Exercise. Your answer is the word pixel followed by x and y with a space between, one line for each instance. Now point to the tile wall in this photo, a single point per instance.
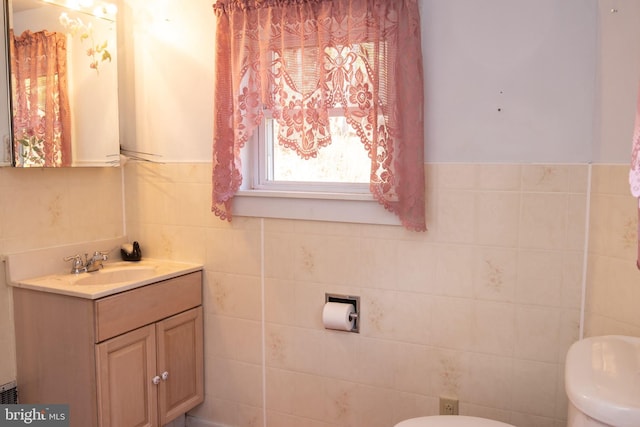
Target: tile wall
pixel 51 207
pixel 613 295
pixel 482 307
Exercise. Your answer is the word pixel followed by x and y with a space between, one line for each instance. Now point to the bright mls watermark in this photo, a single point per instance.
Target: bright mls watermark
pixel 34 415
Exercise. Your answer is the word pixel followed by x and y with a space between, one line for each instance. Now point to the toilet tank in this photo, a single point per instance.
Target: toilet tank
pixel 602 381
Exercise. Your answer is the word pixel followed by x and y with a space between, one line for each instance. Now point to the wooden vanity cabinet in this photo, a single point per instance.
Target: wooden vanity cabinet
pixel 149 376
pixel 129 359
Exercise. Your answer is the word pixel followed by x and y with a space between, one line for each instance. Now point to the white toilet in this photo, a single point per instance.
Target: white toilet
pixel 451 421
pixel 602 376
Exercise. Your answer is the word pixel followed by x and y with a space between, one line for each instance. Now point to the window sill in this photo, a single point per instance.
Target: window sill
pixel 335 207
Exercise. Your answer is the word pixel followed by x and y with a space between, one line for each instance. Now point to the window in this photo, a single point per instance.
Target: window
pixel 299 90
pixel 310 188
pixel 334 186
pixel 342 166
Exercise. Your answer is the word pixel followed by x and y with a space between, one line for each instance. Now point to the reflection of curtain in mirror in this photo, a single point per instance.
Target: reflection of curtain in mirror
pixel 41 116
pixel 634 172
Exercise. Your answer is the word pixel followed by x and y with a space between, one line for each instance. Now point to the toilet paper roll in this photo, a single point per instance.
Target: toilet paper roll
pixel 336 315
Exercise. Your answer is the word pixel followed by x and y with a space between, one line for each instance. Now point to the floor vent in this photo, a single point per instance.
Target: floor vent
pixel 9 393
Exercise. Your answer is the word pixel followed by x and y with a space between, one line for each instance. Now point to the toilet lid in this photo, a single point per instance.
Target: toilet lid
pixel 451 421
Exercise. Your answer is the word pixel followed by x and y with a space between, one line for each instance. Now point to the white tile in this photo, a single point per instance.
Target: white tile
pixel 488 382
pixel 539 278
pixel 495 329
pixel 543 221
pixel 537 334
pixel 496 274
pixel 534 388
pixel 454 270
pixel 498 215
pixel 452 323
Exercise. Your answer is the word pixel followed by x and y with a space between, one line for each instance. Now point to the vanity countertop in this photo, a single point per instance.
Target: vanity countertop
pixel 114 278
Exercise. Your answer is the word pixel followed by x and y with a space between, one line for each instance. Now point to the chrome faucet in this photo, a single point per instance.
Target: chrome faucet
pixel 78 266
pixel 89 264
pixel 95 262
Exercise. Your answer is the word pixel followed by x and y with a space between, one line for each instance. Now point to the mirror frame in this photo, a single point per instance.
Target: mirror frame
pixel 6 123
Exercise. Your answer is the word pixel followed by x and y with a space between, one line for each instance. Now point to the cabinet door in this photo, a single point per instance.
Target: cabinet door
pixel 180 364
pixel 125 370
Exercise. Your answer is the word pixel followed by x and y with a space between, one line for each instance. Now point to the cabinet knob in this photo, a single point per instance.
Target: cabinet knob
pixel 165 375
pixel 156 380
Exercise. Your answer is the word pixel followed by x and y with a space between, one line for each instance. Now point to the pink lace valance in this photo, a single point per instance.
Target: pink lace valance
pixel 302 60
pixel 226 6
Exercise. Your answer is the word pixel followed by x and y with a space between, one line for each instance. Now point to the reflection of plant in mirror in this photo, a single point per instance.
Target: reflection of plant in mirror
pixel 32 150
pixel 97 51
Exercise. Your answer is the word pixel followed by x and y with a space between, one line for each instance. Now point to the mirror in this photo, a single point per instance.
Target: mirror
pixel 70 116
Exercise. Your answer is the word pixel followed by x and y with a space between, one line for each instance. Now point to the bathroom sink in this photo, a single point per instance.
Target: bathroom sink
pixel 113 278
pixel 113 275
pixel 602 378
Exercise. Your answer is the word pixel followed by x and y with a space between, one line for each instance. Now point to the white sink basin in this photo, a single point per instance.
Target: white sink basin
pixel 113 275
pixel 113 278
pixel 602 379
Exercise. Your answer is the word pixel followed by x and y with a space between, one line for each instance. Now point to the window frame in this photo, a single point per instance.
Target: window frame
pixel 315 201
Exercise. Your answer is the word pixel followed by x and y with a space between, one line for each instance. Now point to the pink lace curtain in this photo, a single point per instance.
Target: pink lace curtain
pixel 41 116
pixel 301 59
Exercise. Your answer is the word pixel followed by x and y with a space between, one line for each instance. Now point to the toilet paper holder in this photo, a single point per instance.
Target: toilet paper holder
pixel 347 299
